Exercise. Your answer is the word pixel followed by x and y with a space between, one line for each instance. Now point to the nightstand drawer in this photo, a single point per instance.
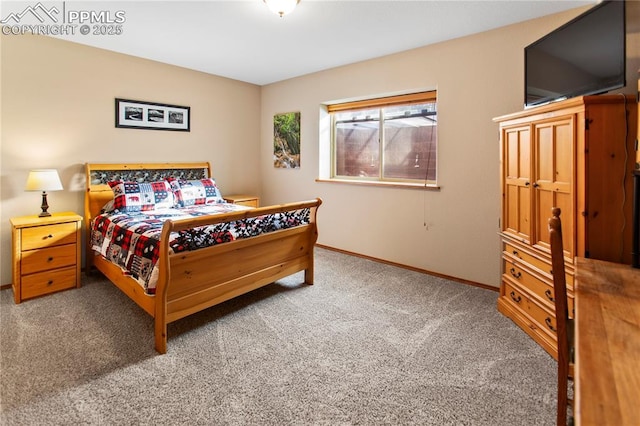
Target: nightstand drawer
pixel 48 258
pixel 47 236
pixel 48 282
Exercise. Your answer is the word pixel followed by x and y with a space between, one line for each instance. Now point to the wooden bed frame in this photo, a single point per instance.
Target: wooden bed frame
pixel 189 282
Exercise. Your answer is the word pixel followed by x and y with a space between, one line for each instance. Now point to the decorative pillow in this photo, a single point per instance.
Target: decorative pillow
pixel 195 192
pixel 133 197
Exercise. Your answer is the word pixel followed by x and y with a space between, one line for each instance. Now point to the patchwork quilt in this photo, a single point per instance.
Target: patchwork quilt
pixel 131 240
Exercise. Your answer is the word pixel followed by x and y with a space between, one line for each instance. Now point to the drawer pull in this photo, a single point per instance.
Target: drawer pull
pixel 516 254
pixel 549 295
pixel 49 282
pixel 48 236
pixel 548 322
pixel 515 298
pixel 515 275
pixel 50 259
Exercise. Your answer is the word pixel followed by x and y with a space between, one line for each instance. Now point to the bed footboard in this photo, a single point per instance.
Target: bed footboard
pixel 192 281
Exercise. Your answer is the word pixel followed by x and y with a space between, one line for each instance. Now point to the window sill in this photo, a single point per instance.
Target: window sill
pixel 404 185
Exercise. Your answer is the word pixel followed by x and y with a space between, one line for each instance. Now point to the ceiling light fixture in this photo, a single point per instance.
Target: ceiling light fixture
pixel 281 7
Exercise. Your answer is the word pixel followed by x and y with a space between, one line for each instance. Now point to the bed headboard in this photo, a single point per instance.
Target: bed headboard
pixel 98 175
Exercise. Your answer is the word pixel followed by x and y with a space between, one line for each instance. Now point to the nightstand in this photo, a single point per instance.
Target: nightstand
pixel 46 254
pixel 243 199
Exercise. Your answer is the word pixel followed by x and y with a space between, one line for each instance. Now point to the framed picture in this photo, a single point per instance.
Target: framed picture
pixel 151 116
pixel 286 140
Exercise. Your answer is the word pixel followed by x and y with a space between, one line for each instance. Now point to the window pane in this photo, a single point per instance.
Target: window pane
pixel 357 143
pixel 410 136
pixel 385 140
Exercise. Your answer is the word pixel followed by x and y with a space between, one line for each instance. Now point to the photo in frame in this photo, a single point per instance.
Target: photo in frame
pixel 152 116
pixel 286 140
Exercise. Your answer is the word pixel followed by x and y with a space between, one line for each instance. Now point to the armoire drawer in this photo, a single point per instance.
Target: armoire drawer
pixel 539 318
pixel 537 285
pixel 517 253
pixel 521 254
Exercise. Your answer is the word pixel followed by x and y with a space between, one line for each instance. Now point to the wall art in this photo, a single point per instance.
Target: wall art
pixel 286 140
pixel 152 116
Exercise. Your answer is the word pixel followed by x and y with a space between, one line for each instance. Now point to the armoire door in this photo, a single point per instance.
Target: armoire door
pixel 553 156
pixel 516 158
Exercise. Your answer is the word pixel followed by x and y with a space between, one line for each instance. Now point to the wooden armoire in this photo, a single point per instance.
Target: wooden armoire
pixel 579 155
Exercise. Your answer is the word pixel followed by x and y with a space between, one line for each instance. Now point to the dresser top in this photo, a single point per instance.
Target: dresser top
pixel 35 220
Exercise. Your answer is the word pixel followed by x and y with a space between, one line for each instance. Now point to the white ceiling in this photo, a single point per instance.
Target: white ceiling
pixel 245 41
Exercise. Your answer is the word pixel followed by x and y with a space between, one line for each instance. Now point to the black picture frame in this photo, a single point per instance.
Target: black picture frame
pixel 131 114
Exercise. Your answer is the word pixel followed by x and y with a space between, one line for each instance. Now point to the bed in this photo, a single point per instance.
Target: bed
pixel 191 280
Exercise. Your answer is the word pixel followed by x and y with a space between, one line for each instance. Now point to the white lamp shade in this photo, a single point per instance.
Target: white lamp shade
pixel 43 180
pixel 281 7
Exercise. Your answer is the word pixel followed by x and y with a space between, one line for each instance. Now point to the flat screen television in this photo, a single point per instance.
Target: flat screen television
pixel 585 56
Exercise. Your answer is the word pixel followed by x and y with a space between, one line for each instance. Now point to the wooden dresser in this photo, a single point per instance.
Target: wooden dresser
pixel 578 155
pixel 46 254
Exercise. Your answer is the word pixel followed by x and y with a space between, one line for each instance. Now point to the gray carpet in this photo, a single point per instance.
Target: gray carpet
pixel 368 344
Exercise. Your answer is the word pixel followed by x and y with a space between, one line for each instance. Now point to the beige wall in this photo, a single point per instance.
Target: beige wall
pixel 58 112
pixel 477 78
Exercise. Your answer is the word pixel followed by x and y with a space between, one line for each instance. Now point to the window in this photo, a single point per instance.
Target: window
pixel 390 139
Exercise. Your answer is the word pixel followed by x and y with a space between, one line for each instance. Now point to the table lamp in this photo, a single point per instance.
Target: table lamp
pixel 44 180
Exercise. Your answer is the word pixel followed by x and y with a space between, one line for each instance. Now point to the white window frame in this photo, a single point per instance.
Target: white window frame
pixel 380 104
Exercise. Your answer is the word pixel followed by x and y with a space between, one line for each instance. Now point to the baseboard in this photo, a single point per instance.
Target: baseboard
pixel 412 268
